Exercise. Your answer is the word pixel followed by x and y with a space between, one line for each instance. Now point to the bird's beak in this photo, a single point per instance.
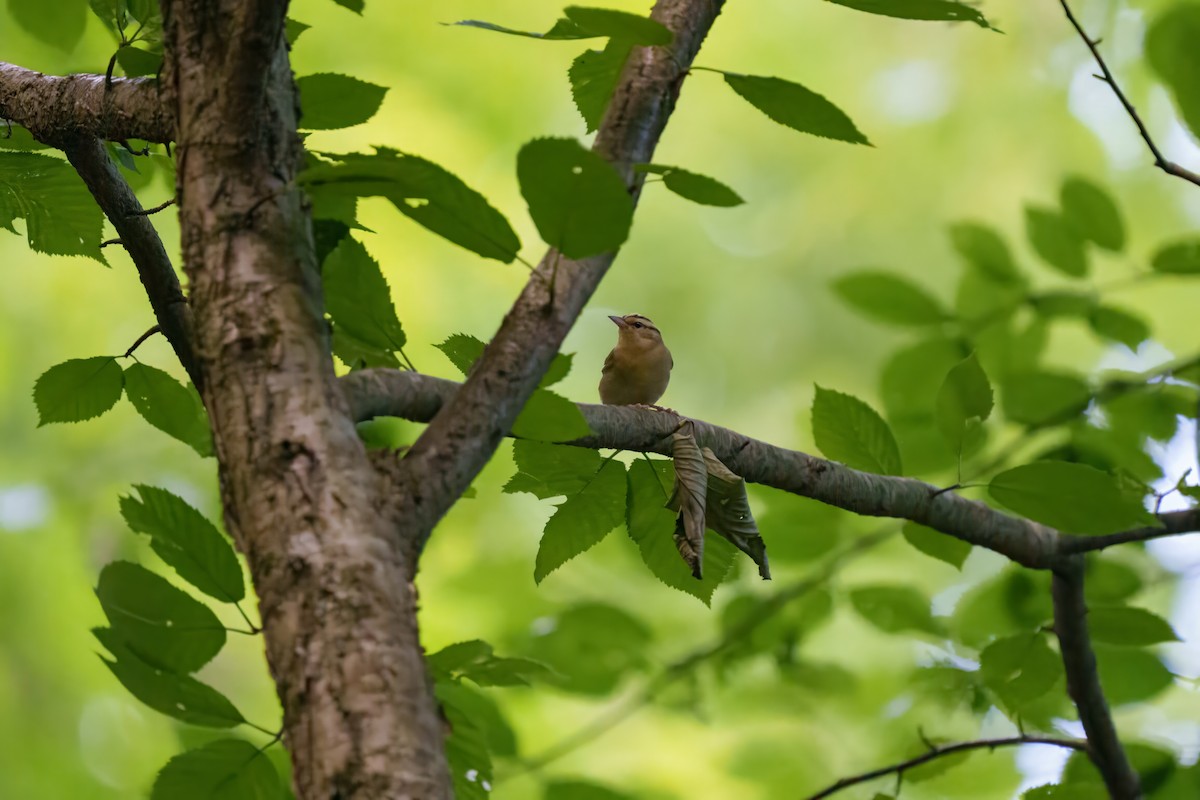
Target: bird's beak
pixel 620 322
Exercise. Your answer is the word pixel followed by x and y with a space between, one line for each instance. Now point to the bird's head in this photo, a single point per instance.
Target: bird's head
pixel 636 330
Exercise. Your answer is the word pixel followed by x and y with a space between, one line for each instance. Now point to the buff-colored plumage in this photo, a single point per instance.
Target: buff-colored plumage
pixel 638 369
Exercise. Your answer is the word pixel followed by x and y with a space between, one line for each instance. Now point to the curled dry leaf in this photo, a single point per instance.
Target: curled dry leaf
pixel 688 498
pixel 728 512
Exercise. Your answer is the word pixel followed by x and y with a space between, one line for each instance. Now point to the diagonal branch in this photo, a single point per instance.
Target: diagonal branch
pixel 48 105
pixel 417 397
pixel 945 750
pixel 141 241
pixel 462 438
pixel 1166 165
pixel 1083 682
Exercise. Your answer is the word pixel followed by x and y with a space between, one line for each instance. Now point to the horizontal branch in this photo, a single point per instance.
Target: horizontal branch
pixel 53 107
pixel 417 397
pixel 945 750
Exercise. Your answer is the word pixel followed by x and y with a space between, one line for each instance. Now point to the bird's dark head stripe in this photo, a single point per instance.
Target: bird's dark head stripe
pixel 631 318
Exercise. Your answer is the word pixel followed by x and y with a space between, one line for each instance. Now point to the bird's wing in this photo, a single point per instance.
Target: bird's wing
pixel 608 362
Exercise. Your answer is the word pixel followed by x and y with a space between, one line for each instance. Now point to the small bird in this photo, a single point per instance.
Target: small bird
pixel 638 369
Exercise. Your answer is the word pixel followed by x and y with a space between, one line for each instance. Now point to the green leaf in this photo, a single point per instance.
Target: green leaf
pixel 464 350
pixel 60 25
pixel 229 769
pixel 583 519
pixel 850 431
pixel 965 395
pixel 467 749
pixel 61 218
pixel 1092 214
pixel 1129 626
pixel 893 609
pixel 550 417
pixel 594 75
pixel 15 137
pixel 186 541
pixel 1051 305
pixel 1130 675
pixel 1119 325
pixel 1171 50
pixel 938 10
pixel 1074 498
pixel 136 62
pixel 423 192
pixel 796 107
pixel 79 389
pixel 594 646
pixel 168 405
pixel 164 626
pixel 1056 241
pixel 577 200
pixel 178 696
pixel 936 544
pixel 475 660
pixel 588 23
pixel 357 354
pixel 358 297
pixel 1039 398
pixel 293 28
pixel 1020 669
pixel 693 186
pixel 651 526
pixel 1180 258
pixel 354 5
pixel 330 101
pixel 581 790
pixel 985 249
pixel 889 297
pixel 551 470
pixel 485 715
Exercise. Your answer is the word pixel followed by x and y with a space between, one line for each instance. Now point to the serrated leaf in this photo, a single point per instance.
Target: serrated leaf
pixel 936 544
pixel 694 186
pixel 982 247
pixel 965 395
pixel 79 389
pixel 1075 498
pixel 551 470
pixel 727 511
pixel 475 660
pixel 1041 397
pixel 164 626
pixel 292 28
pixel 357 354
pixel 689 496
pixel 889 297
pixel 594 75
pixel 1092 213
pixel 583 519
pixel 358 297
pixel 467 751
pixel 848 430
pixel 1180 258
pixel 186 541
pixel 168 405
pixel 935 10
pixel 1170 47
pixel 651 526
pixel 464 350
pixel 178 696
pixel 486 716
pixel 894 609
pixel 1056 241
pixel 354 5
pixel 1119 326
pixel 1124 625
pixel 550 417
pixel 61 218
pixel 577 200
pixel 796 107
pixel 422 191
pixel 330 101
pixel 227 769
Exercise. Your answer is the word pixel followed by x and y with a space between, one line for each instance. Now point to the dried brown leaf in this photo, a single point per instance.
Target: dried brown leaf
pixel 688 498
pixel 727 510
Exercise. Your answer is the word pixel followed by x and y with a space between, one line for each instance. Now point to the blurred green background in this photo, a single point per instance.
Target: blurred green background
pixel 966 124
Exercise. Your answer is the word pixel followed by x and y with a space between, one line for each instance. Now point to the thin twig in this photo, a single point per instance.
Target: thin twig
pixel 145 212
pixel 685 665
pixel 108 242
pixel 1167 166
pixel 937 751
pixel 153 330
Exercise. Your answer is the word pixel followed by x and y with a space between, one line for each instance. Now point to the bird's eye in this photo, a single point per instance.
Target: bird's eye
pixel 638 325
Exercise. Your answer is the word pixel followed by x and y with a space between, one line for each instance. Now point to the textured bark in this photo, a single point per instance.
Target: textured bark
pixel 300 495
pixel 382 392
pixel 54 107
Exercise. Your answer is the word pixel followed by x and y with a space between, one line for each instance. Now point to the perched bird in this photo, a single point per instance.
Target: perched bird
pixel 637 370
